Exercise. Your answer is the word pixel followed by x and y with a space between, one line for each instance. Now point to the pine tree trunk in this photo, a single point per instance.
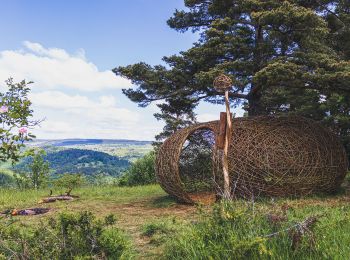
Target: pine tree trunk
pixel 255 107
pixel 254 99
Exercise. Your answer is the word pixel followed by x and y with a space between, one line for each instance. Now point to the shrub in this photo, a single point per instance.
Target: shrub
pixel 69 236
pixel 141 172
pixel 69 182
pixel 37 173
pixel 15 117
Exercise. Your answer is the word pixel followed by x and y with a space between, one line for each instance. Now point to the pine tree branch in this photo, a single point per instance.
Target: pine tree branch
pixel 330 11
pixel 238 95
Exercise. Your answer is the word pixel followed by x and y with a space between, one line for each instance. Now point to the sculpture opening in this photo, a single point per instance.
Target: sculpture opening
pixel 196 164
pixel 168 162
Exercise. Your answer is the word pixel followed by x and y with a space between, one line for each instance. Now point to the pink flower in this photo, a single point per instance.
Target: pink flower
pixel 23 130
pixel 4 109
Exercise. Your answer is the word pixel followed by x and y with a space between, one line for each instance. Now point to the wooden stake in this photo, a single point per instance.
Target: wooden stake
pixel 220 142
pixel 224 83
pixel 227 191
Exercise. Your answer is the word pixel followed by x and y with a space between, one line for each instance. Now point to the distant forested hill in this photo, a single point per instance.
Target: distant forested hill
pixel 123 149
pixel 77 142
pixel 87 162
pixel 5 179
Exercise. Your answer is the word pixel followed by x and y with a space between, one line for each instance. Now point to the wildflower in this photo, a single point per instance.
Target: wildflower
pixel 4 109
pixel 23 130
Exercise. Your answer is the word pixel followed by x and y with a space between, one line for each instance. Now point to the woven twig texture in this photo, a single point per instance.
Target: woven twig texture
pixel 270 156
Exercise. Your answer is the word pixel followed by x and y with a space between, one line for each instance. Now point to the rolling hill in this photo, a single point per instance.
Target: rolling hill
pixel 101 159
pixel 77 142
pixel 82 161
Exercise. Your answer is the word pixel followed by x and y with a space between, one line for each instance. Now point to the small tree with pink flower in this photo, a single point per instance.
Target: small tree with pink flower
pixel 15 120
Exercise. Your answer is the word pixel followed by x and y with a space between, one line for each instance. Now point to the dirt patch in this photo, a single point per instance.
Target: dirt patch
pixel 133 216
pixel 206 198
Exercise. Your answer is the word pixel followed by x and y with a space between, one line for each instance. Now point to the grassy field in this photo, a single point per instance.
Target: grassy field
pixel 156 224
pixel 134 208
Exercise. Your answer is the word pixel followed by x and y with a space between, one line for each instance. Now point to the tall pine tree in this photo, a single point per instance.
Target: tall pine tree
pixel 284 56
pixel 338 104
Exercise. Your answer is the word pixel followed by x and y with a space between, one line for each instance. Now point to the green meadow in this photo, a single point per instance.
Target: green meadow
pixel 157 227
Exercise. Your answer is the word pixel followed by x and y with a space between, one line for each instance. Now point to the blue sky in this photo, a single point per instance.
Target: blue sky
pixel 68 49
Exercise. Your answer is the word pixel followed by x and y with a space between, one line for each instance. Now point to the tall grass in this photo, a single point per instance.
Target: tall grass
pixel 236 230
pixel 14 198
pixel 266 229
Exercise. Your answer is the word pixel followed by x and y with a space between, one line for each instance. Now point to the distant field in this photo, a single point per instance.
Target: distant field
pixel 125 149
pixel 129 152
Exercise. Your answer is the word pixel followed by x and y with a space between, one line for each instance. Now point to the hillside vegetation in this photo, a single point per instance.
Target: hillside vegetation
pixel 124 149
pixel 6 178
pixel 98 160
pixel 86 162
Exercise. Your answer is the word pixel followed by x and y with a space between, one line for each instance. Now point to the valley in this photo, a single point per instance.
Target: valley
pixel 99 160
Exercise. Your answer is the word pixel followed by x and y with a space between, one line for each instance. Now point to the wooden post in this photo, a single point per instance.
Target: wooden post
pixel 227 192
pixel 223 83
pixel 220 142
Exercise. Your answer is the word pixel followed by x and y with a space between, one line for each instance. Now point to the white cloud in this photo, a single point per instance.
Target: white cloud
pixel 102 112
pixel 53 68
pixel 206 117
pixel 59 100
pixel 75 98
pixel 78 116
pixel 56 127
pixel 107 101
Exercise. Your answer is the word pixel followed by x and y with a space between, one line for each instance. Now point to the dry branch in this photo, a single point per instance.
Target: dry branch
pixel 56 198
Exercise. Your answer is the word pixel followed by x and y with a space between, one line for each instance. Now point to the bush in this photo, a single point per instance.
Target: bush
pixel 69 236
pixel 15 116
pixel 141 172
pixel 242 231
pixel 37 173
pixel 69 182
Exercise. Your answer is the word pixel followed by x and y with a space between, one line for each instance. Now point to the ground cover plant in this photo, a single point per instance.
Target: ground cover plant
pixel 69 236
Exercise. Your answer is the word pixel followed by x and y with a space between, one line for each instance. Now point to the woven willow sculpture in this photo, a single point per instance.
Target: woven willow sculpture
pixel 271 156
